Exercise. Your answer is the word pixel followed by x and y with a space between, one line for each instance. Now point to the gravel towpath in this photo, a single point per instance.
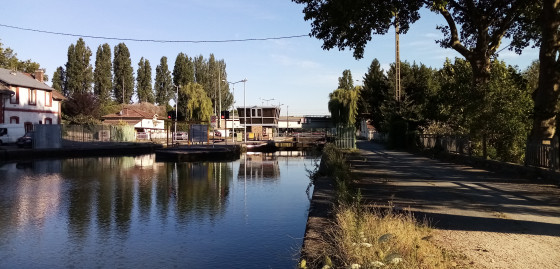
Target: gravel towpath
pixel 496 221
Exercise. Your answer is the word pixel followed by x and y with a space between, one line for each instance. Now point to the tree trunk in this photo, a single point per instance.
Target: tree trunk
pixel 547 93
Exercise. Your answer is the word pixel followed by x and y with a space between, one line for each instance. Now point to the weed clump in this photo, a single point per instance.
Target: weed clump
pixel 370 237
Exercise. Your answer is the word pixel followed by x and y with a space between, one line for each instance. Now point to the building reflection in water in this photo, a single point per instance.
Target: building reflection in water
pixel 107 194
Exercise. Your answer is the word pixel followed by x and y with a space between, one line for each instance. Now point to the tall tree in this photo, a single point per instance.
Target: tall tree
pixel 546 118
pixel 374 93
pixel 102 76
pixel 123 81
pixel 59 80
pixel 163 82
pixel 183 71
pixel 343 102
pixel 198 106
pixel 346 81
pixel 474 28
pixel 201 71
pixel 79 74
pixel 144 82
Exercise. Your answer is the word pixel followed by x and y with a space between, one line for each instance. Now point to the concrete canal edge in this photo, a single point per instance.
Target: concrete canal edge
pixel 93 150
pixel 199 153
pixel 320 217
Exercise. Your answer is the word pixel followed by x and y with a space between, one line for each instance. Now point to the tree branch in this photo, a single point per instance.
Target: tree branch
pixel 454 41
pixel 506 23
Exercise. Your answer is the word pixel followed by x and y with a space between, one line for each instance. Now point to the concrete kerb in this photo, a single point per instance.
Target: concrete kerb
pixel 319 219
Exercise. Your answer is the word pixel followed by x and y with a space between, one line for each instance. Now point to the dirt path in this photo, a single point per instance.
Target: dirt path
pixel 496 221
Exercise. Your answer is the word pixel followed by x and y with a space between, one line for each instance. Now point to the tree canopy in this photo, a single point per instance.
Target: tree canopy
pixel 123 77
pixel 144 82
pixel 79 72
pixel 474 28
pixel 9 60
pixel 163 83
pixel 102 76
pixel 343 102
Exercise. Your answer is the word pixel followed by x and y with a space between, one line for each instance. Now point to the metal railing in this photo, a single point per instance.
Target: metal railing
pixel 452 144
pixel 544 154
pixel 98 133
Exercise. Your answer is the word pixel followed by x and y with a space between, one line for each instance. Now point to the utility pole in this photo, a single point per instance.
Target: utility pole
pixel 220 94
pixel 397 62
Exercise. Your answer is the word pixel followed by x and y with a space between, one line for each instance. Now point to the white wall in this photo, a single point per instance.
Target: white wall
pixel 31 113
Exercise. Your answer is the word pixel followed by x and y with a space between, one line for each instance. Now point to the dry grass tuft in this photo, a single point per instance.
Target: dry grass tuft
pixel 372 238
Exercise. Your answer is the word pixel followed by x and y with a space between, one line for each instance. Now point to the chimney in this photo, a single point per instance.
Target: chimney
pixel 39 75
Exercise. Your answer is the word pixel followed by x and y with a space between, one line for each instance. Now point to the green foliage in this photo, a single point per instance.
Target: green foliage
pixel 123 80
pixel 343 102
pixel 163 83
pixel 102 76
pixel 183 71
pixel 9 60
pixel 346 82
pixel 500 114
pixel 59 80
pixel 198 106
pixel 144 82
pixel 79 74
pixel 374 93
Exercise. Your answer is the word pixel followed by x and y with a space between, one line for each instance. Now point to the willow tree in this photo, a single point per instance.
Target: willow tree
pixel 343 102
pixel 197 105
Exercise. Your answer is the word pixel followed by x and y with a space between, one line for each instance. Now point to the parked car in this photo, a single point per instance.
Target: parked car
pixel 181 136
pixel 26 140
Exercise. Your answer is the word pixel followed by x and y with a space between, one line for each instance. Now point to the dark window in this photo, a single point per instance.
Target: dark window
pixel 14 120
pixel 15 98
pixel 28 127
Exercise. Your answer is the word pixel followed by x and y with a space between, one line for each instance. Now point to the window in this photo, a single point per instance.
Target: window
pixel 28 126
pixel 48 121
pixel 15 98
pixel 256 112
pixel 48 99
pixel 14 120
pixel 32 97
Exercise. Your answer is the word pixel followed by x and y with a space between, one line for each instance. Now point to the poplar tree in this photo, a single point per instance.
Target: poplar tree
pixel 79 75
pixel 59 80
pixel 144 82
pixel 183 71
pixel 164 83
pixel 123 77
pixel 102 77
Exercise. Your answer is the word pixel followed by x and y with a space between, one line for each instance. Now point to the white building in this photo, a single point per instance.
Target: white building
pixel 26 100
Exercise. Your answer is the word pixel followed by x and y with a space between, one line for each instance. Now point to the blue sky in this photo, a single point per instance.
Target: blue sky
pixel 295 72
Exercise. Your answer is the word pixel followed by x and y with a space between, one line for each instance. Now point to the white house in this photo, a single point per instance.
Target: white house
pixel 26 100
pixel 144 122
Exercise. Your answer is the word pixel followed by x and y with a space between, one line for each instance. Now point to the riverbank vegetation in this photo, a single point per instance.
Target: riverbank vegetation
pixel 370 237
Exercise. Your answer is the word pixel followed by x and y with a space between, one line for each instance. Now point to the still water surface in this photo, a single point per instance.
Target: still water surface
pixel 134 212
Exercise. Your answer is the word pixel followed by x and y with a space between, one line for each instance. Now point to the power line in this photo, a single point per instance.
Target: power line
pixel 152 40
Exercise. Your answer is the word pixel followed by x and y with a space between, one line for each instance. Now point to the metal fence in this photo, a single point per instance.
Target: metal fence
pixel 345 137
pixel 545 154
pixel 99 133
pixel 452 144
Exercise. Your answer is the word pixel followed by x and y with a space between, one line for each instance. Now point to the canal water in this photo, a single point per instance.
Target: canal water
pixel 134 212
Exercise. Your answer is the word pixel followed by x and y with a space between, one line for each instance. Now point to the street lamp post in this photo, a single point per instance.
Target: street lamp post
pixel 176 109
pixel 233 108
pixel 244 114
